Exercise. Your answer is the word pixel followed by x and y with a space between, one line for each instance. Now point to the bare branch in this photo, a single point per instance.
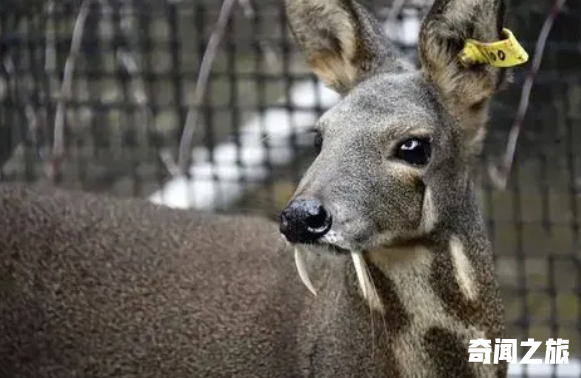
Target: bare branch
pixel 267 49
pixel 169 163
pixel 128 62
pixel 29 112
pixel 18 91
pixel 499 175
pixel 50 63
pixel 66 89
pixel 201 84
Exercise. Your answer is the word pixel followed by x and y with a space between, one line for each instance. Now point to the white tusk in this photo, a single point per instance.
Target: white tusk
pixel 359 264
pixel 302 269
pixel 365 282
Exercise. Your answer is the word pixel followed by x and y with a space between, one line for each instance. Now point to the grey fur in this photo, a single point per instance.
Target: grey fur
pixel 92 286
pixel 102 287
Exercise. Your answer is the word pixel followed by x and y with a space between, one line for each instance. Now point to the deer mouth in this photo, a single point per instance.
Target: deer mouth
pixel 324 246
pixel 364 279
pixel 334 248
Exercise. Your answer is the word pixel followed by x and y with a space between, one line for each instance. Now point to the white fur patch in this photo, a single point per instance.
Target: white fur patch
pixel 429 212
pixel 463 269
pixel 333 237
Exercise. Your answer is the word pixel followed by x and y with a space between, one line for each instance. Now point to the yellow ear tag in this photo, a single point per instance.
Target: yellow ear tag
pixel 505 53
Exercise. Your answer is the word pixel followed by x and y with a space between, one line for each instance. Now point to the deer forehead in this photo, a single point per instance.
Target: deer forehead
pixel 393 105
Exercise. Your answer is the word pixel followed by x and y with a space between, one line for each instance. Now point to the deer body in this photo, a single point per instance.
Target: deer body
pixel 101 287
pixel 386 217
pixel 97 287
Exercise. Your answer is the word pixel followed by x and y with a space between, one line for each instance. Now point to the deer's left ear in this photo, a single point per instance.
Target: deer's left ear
pixel 465 89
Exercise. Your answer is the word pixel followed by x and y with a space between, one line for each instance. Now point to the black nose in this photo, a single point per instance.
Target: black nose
pixel 304 221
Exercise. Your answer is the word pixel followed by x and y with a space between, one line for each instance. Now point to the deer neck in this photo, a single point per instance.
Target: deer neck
pixel 437 296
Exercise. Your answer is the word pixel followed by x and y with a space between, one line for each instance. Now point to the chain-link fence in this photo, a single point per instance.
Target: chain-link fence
pixel 96 95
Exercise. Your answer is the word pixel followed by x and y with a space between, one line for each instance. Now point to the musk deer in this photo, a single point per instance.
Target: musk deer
pixel 384 228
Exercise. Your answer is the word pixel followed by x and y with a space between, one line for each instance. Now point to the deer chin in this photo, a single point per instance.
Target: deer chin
pixel 364 280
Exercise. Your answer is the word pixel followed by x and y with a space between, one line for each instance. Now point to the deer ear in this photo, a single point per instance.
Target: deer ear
pixel 343 43
pixel 465 90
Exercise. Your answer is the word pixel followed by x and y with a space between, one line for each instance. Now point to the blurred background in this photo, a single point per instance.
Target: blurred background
pixel 207 104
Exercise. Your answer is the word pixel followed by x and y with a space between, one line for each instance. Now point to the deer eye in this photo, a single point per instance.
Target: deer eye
pixel 318 142
pixel 415 151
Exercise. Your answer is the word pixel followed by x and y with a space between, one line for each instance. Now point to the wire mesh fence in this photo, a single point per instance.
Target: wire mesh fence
pixel 96 95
